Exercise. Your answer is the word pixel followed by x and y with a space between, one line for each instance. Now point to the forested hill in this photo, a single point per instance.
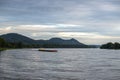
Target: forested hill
pixel 53 42
pixel 111 45
pixel 14 38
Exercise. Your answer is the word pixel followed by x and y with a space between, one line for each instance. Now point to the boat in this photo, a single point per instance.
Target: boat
pixel 47 50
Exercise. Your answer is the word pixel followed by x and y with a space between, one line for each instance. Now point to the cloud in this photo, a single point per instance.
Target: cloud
pixel 5 30
pixel 89 37
pixel 45 11
pixel 83 34
pixel 64 18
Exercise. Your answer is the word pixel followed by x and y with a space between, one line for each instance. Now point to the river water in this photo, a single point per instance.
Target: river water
pixel 66 64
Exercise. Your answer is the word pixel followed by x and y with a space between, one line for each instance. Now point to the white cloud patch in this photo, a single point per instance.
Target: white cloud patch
pixel 89 38
pixel 84 35
pixel 89 21
pixel 60 30
pixel 5 30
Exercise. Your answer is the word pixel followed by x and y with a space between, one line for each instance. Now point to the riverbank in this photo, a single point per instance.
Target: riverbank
pixel 2 49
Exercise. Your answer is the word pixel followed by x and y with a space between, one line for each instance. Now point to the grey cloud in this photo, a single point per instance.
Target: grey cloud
pixel 53 11
pixel 95 16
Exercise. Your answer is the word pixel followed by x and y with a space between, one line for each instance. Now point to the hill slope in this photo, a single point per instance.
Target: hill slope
pixel 56 42
pixel 14 37
pixel 64 42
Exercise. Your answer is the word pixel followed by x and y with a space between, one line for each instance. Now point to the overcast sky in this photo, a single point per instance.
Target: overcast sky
pixel 89 21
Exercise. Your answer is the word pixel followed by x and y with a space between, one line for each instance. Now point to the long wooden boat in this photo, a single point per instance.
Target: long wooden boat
pixel 48 50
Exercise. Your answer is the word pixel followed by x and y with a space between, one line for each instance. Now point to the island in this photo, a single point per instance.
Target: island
pixel 111 45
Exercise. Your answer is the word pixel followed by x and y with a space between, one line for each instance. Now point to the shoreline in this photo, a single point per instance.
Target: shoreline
pixel 2 49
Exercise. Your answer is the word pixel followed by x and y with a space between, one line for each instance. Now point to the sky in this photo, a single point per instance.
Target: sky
pixel 88 21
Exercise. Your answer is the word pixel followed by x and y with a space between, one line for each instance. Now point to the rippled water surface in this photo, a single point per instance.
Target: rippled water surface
pixel 66 64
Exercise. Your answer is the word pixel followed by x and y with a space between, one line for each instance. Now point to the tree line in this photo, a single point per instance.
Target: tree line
pixel 4 44
pixel 111 45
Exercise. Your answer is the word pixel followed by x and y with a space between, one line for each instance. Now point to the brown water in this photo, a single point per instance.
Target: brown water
pixel 66 64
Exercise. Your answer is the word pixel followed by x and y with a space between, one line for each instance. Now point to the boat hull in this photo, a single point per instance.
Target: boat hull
pixel 48 50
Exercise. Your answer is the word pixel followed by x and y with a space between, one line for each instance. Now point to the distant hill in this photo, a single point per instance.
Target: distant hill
pixel 14 37
pixel 53 42
pixel 64 42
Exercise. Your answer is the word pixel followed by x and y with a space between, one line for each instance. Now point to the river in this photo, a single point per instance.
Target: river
pixel 66 64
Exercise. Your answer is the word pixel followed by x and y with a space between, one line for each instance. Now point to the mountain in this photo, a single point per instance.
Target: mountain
pixel 64 42
pixel 53 42
pixel 14 37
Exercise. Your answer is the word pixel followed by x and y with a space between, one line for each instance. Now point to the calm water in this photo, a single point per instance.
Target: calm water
pixel 66 64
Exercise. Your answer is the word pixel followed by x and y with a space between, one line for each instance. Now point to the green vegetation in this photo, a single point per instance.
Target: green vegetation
pixel 2 49
pixel 111 45
pixel 14 40
pixel 7 45
pixel 2 44
pixel 16 44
